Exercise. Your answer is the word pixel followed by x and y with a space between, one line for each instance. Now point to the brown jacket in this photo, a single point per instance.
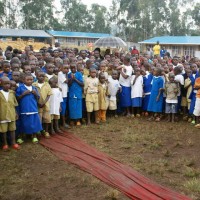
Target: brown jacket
pixel 7 108
pixel 103 96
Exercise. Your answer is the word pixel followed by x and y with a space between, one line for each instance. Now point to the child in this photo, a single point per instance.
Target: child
pixel 136 92
pixel 103 96
pixel 49 71
pixel 86 71
pixel 125 82
pixel 147 79
pixel 156 97
pixel 62 84
pixel 28 97
pixel 16 75
pixel 8 103
pixel 55 105
pixel 6 70
pixel 91 92
pixel 197 102
pixel 188 88
pixel 44 90
pixel 102 69
pixel 113 88
pixel 179 79
pixel 195 74
pixel 172 89
pixel 75 94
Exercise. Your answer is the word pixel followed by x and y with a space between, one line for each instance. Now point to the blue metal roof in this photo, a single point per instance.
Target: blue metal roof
pixel 78 34
pixel 187 40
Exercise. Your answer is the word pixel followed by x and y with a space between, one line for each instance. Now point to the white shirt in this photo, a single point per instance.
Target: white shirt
pixel 29 87
pixel 127 70
pixel 113 87
pixel 137 88
pixel 55 100
pixel 49 76
pixel 180 79
pixel 5 94
pixel 40 85
pixel 61 83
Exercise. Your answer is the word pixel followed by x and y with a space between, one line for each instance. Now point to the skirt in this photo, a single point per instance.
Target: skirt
pixel 192 104
pixel 136 102
pixel 30 124
pixel 145 102
pixel 75 108
pixel 63 106
pixel 125 97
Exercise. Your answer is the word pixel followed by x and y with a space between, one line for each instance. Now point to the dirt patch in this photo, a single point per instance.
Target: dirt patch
pixel 165 152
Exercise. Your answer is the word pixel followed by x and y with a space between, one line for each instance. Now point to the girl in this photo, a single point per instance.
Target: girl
pixel 156 97
pixel 75 94
pixel 147 79
pixel 28 97
pixel 195 74
pixel 136 92
pixel 103 97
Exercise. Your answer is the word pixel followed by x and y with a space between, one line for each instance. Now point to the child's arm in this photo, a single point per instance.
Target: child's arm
pixel 23 94
pixel 47 99
pixel 35 93
pixel 159 93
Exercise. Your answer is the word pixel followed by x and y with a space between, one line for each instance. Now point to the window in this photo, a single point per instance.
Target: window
pixel 189 51
pixel 176 50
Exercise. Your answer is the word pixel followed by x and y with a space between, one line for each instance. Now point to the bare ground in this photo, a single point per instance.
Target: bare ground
pixel 165 152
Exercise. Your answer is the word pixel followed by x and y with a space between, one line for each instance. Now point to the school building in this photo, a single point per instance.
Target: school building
pixel 25 35
pixel 176 45
pixel 76 38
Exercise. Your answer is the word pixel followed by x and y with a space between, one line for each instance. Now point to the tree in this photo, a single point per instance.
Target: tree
pixel 38 14
pixel 196 15
pixel 100 19
pixel 2 13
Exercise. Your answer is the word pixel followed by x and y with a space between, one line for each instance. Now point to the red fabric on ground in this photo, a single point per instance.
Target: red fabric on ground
pixel 134 185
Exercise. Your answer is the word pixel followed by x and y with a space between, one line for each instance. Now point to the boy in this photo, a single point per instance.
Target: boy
pixel 113 88
pixel 172 89
pixel 8 103
pixel 44 90
pixel 55 105
pixel 91 92
pixel 63 85
pixel 6 70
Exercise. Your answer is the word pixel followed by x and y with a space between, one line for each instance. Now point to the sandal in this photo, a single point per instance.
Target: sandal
pixel 5 147
pixel 46 135
pixel 16 146
pixel 35 140
pixel 20 141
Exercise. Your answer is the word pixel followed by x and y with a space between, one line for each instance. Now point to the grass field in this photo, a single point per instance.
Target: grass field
pixel 165 152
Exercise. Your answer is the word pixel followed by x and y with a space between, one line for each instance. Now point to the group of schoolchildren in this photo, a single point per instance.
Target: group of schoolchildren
pixel 39 91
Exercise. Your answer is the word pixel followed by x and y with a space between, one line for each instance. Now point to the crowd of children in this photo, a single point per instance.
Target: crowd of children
pixel 47 91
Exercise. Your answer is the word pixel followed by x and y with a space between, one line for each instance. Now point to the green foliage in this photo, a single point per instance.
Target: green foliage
pixel 2 13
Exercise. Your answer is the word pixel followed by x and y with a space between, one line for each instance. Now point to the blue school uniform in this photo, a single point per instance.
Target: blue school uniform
pixel 9 75
pixel 156 106
pixel 75 97
pixel 29 118
pixel 147 90
pixel 193 93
